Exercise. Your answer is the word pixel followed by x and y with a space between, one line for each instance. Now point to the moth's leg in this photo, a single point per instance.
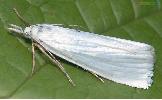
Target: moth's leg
pixel 33 58
pixel 58 25
pixel 62 25
pixel 97 77
pixel 58 63
pixel 78 26
pixel 53 59
pixel 62 69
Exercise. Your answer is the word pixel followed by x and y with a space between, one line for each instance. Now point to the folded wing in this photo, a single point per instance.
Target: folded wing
pixel 119 60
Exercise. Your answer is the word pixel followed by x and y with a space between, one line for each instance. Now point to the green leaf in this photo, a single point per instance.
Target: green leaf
pixel 137 20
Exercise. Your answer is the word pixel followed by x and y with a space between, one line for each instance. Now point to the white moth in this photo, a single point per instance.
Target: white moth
pixel 122 61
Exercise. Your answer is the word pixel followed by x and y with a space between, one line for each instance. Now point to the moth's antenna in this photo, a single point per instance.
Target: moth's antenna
pixel 20 17
pixel 15 28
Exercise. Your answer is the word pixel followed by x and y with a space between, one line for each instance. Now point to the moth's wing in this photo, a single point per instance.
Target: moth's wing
pixel 119 60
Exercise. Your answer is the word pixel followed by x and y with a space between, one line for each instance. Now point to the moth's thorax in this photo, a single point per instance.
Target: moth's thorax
pixel 28 32
pixel 35 30
pixel 32 31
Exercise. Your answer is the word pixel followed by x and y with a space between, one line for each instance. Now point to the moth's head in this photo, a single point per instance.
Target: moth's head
pixel 17 29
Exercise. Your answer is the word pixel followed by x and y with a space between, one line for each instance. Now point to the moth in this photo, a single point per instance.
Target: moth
pixel 122 61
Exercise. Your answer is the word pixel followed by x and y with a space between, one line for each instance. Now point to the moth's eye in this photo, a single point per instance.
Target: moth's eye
pixel 26 33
